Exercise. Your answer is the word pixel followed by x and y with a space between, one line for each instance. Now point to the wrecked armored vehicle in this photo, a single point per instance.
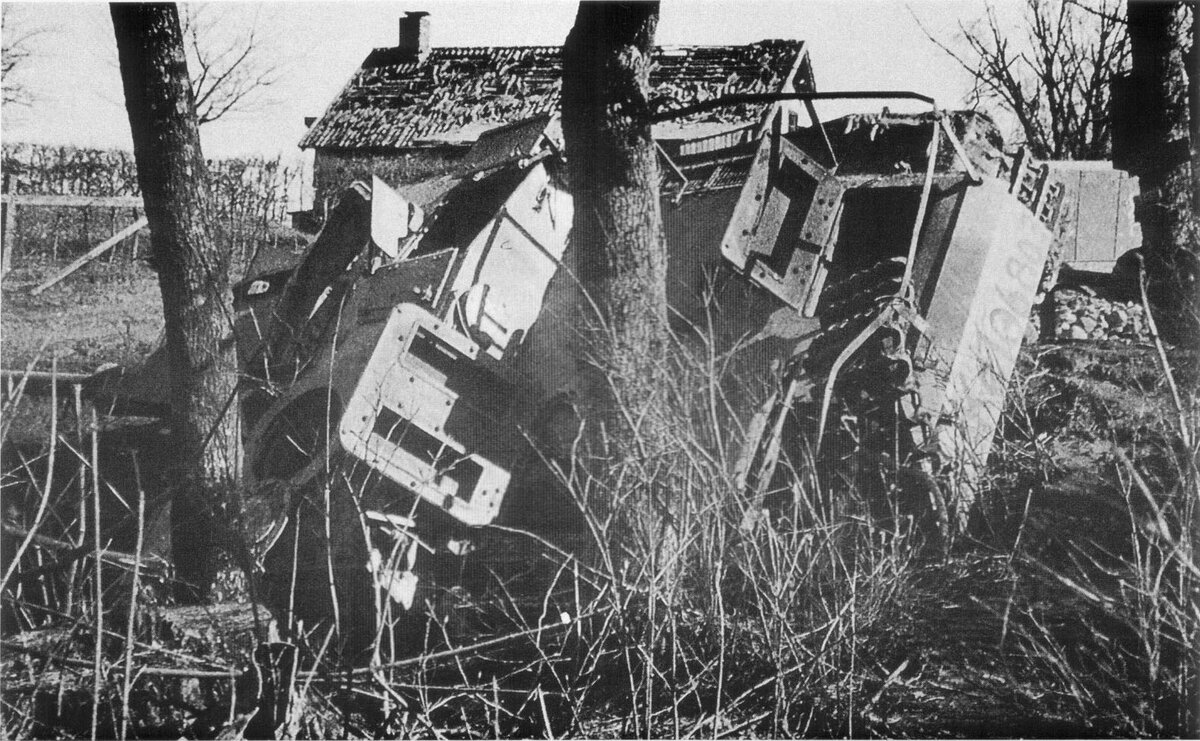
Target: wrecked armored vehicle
pixel 396 366
pixel 922 270
pixel 871 284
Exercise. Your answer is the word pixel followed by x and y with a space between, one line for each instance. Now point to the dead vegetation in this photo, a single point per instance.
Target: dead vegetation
pixel 644 595
pixel 674 607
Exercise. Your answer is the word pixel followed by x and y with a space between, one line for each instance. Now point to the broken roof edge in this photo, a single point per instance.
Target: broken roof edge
pixel 802 61
pixel 343 91
pixel 518 146
pixel 385 56
pixel 515 141
pixel 315 137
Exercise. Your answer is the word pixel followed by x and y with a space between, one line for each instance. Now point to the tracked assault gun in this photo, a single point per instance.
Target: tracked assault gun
pixel 921 269
pixel 883 276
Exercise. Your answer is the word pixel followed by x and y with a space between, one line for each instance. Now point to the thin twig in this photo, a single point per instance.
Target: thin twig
pixel 450 653
pixel 99 606
pixel 45 498
pixel 73 553
pixel 77 389
pixel 1184 432
pixel 150 671
pixel 133 597
pixel 165 652
pixel 296 708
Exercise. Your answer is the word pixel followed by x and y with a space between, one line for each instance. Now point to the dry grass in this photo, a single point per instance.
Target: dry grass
pixel 678 609
pixel 1107 576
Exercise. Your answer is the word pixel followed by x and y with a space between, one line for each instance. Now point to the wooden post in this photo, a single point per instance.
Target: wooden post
pixel 112 228
pixel 136 242
pixel 10 223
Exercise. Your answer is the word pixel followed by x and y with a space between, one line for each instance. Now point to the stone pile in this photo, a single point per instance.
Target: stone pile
pixel 1080 314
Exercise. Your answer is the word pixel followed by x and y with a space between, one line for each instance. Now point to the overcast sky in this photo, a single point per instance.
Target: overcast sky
pixel 77 98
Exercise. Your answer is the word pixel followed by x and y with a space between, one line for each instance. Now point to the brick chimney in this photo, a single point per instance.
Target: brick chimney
pixel 414 34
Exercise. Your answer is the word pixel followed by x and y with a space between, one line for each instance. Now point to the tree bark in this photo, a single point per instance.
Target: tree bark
pixel 1192 67
pixel 613 168
pixel 621 259
pixel 1164 161
pixel 193 278
pixel 1158 69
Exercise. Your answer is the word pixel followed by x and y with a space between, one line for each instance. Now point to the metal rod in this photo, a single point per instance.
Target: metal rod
pixel 926 189
pixel 958 149
pixel 753 98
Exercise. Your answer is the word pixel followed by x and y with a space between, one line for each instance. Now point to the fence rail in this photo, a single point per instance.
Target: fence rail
pixel 62 202
pixel 39 199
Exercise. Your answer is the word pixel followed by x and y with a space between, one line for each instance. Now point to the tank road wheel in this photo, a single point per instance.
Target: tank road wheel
pixel 314 571
pixel 316 574
pixel 339 562
pixel 294 434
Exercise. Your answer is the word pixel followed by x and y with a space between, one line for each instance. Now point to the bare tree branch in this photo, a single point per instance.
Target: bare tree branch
pixel 1055 79
pixel 232 67
pixel 1116 20
pixel 18 49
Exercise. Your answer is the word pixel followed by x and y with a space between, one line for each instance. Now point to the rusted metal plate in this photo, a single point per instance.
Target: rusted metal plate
pixel 502 281
pixel 424 414
pixel 1096 219
pixel 978 311
pixel 418 280
pixel 784 222
pixel 433 406
pixel 1129 232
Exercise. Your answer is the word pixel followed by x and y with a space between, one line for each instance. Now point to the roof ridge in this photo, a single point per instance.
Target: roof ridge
pixel 433 49
pixel 558 47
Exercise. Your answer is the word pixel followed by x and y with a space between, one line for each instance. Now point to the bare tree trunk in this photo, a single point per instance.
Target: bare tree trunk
pixel 622 265
pixel 1158 69
pixel 1162 157
pixel 1192 67
pixel 193 276
pixel 614 180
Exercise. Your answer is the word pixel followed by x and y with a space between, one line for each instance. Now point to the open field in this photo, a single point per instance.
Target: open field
pixel 106 314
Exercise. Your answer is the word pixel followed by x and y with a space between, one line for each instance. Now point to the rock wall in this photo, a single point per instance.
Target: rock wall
pixel 1082 314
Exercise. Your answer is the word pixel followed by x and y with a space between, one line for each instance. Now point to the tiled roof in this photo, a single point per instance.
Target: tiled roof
pixel 394 101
